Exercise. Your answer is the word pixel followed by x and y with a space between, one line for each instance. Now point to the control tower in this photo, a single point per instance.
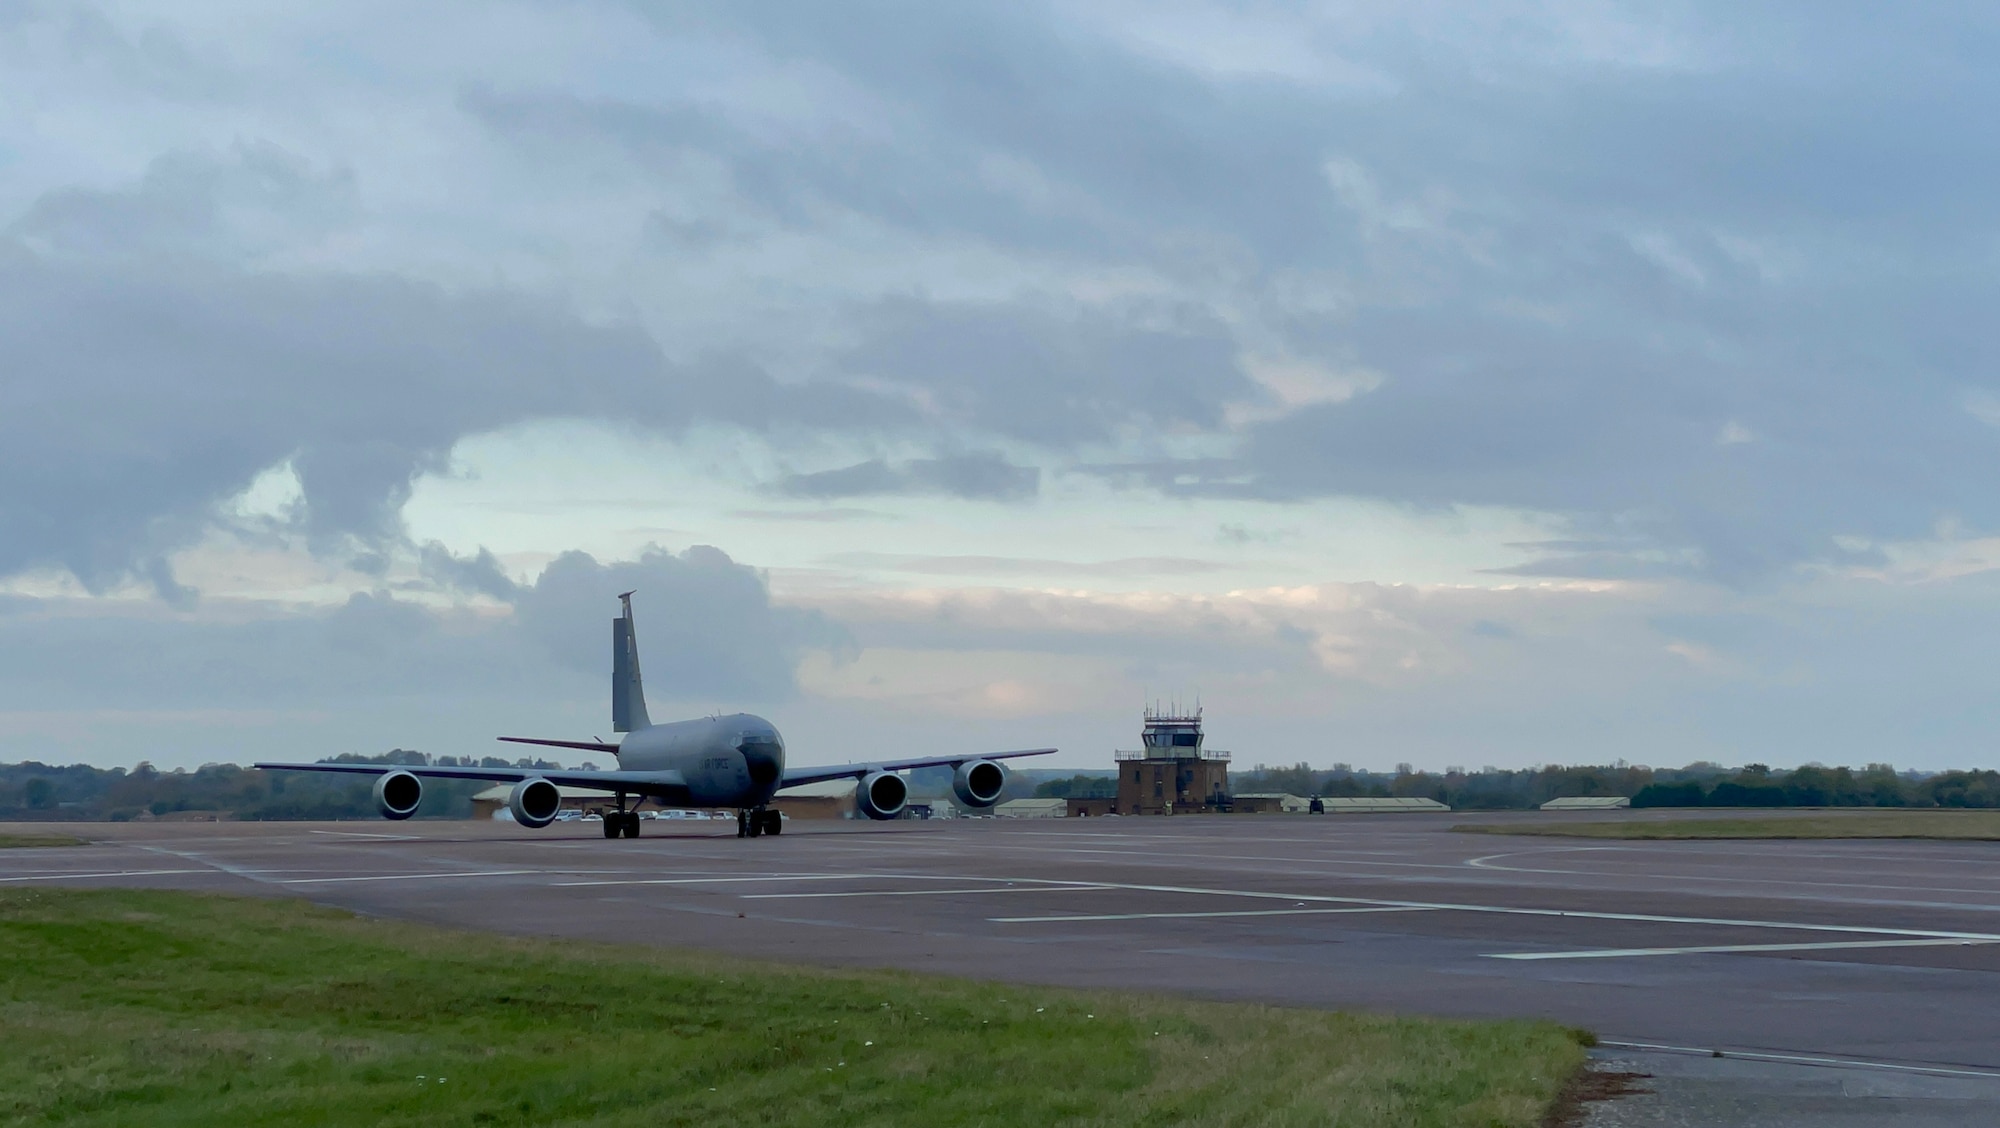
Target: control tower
pixel 1173 774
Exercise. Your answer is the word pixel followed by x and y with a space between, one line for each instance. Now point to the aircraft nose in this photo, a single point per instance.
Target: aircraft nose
pixel 764 756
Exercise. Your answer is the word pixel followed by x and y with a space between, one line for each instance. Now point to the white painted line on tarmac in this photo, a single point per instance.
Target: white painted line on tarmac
pixel 1375 903
pixel 404 877
pixel 829 877
pixel 1193 916
pixel 923 892
pixel 1578 914
pixel 1703 949
pixel 120 873
pixel 218 867
pixel 1803 1059
pixel 361 834
pixel 719 880
pixel 1484 863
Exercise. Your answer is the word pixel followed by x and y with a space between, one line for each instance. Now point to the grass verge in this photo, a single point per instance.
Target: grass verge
pixel 156 1008
pixel 1964 825
pixel 8 841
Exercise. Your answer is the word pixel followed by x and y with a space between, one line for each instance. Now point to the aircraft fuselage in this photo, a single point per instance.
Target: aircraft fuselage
pixel 735 760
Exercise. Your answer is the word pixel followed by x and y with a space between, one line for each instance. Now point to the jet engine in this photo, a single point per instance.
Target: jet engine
pixel 397 794
pixel 977 783
pixel 881 795
pixel 534 802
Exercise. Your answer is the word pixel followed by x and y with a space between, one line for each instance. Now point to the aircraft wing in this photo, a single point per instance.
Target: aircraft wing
pixel 661 784
pixel 795 777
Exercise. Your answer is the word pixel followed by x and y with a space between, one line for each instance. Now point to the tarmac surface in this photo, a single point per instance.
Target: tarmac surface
pixel 1843 982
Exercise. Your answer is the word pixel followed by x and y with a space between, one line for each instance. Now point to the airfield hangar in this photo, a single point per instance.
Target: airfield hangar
pixel 1173 773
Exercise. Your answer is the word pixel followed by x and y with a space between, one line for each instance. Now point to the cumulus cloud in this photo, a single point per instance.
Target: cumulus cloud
pixel 710 630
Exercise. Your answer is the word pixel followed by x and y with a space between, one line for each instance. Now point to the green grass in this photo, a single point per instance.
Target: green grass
pixel 157 1008
pixel 1984 824
pixel 8 841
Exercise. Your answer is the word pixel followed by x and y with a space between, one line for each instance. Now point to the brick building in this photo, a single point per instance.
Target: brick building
pixel 1173 774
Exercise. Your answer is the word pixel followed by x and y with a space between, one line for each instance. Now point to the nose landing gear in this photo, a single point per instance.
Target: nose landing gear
pixel 752 824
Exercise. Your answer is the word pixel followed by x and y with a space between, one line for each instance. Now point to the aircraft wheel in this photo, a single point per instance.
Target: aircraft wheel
pixel 631 824
pixel 756 825
pixel 774 823
pixel 610 824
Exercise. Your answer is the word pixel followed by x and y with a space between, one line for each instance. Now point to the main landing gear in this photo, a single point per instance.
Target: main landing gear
pixel 751 824
pixel 622 822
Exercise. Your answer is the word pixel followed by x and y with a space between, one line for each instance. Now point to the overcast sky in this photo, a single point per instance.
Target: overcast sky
pixel 1493 383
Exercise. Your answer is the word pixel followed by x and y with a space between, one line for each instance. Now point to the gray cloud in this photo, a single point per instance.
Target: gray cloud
pixel 147 384
pixel 480 573
pixel 1574 275
pixel 708 628
pixel 1714 302
pixel 377 670
pixel 142 395
pixel 823 515
pixel 1125 568
pixel 1054 376
pixel 985 476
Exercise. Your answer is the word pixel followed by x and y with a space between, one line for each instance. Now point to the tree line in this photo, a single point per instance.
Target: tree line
pixel 1700 784
pixel 37 791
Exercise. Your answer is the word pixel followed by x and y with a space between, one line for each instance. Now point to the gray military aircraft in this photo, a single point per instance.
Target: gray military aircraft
pixel 734 761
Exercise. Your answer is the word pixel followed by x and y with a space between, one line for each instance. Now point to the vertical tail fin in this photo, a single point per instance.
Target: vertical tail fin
pixel 628 696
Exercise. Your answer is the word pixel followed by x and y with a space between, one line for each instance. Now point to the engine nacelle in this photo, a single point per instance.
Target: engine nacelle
pixel 534 802
pixel 881 795
pixel 397 794
pixel 977 783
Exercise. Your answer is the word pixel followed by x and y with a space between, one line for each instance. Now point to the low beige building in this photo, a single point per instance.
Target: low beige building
pixel 1589 803
pixel 1368 805
pixel 1032 809
pixel 830 799
pixel 1269 803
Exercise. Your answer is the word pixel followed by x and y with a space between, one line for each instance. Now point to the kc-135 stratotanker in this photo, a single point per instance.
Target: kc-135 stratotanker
pixel 718 762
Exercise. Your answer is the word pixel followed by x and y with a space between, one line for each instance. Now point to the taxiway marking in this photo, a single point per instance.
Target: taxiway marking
pixel 120 873
pixel 924 892
pixel 1194 916
pixel 745 877
pixel 1579 914
pixel 1486 863
pixel 1043 883
pixel 1802 1059
pixel 1702 949
pixel 403 877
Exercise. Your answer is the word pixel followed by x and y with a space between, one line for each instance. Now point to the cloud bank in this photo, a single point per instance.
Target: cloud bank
pixel 1698 294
